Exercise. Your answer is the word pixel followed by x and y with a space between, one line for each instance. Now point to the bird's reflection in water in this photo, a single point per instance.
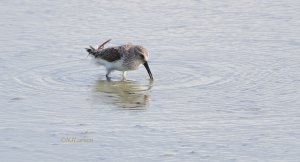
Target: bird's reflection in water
pixel 127 94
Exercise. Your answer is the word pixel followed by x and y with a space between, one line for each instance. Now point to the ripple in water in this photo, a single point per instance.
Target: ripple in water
pixel 80 75
pixel 178 75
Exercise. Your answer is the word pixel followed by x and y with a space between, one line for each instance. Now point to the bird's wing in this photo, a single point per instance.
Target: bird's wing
pixel 109 54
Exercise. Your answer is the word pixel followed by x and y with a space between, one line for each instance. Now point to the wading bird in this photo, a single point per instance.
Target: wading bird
pixel 121 58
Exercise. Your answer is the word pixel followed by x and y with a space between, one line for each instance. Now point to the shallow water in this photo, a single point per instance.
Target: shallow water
pixel 226 88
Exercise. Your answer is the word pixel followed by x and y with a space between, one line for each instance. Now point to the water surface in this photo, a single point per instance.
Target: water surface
pixel 226 88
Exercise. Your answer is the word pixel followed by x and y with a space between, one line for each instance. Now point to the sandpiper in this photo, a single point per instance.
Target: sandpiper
pixel 122 58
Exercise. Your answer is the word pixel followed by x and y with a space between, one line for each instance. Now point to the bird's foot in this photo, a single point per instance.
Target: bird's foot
pixel 124 78
pixel 108 78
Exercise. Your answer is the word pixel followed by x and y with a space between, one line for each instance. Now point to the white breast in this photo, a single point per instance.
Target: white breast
pixel 116 65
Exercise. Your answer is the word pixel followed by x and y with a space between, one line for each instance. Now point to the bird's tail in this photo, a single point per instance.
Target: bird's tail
pixel 93 51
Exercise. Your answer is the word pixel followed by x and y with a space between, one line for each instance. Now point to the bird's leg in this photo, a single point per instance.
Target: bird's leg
pixel 107 74
pixel 124 75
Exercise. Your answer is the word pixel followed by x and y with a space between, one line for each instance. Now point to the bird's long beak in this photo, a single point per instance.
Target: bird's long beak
pixel 148 70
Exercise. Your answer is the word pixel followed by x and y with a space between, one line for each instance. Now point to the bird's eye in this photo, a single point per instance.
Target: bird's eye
pixel 142 56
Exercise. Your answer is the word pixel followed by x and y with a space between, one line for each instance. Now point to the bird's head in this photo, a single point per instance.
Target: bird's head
pixel 143 55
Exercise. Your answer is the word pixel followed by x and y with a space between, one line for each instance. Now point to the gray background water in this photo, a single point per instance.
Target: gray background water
pixel 227 81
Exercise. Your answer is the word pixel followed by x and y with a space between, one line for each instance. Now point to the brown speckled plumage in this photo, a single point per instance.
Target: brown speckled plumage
pixel 123 58
pixel 108 54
